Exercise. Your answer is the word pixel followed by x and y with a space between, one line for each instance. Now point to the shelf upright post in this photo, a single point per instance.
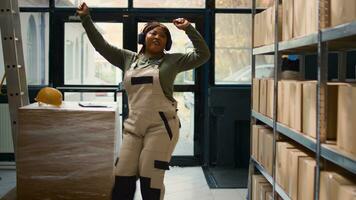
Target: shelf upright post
pixel 341 69
pixel 321 104
pixel 302 67
pixel 277 71
pixel 251 168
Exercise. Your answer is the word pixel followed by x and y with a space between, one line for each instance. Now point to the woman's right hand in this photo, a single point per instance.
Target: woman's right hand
pixel 83 10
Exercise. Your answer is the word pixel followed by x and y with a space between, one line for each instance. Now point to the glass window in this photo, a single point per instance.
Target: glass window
pixel 83 64
pixel 169 3
pixel 92 3
pixel 35 36
pixel 232 47
pixel 6 144
pixel 185 145
pixel 233 51
pixel 34 3
pixel 181 44
pixel 242 3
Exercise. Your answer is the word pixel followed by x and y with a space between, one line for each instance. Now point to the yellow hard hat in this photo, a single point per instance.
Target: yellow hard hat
pixel 50 96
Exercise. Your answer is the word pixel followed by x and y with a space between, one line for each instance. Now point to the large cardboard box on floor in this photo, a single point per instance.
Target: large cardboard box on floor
pixel 281 162
pixel 256 95
pixel 306 174
pixel 295 114
pixel 65 152
pixel 292 172
pixel 263 96
pixel 270 96
pixel 287 19
pixel 342 11
pixel 256 181
pixel 331 183
pixel 346 123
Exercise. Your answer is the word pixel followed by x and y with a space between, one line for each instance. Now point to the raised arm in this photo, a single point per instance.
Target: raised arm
pixel 201 52
pixel 116 56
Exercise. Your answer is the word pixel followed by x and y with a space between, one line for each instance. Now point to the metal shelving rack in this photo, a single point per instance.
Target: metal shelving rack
pixel 338 39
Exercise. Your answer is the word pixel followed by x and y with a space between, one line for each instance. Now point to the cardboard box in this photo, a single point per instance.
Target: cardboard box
pixel 292 172
pixel 260 157
pixel 346 123
pixel 258 33
pixel 261 147
pixel 256 181
pixel 263 96
pixel 347 192
pixel 255 143
pixel 256 95
pixel 305 16
pixel 311 17
pixel 342 11
pixel 270 96
pixel 306 174
pixel 287 19
pixel 309 108
pixel 66 152
pixel 286 102
pixel 299 17
pixel 268 152
pixel 264 189
pixel 331 183
pixel 270 24
pixel 269 196
pixel 295 114
pixel 281 162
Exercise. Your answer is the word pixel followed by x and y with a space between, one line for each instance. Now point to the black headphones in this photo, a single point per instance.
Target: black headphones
pixel 142 37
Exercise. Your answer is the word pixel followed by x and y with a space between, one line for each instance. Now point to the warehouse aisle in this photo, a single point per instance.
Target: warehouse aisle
pixel 181 184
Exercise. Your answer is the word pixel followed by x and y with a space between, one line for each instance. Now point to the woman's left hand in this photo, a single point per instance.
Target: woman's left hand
pixel 181 23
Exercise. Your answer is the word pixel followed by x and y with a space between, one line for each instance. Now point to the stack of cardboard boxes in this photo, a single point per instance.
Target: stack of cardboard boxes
pixel 297 109
pixel 300 17
pixel 262 146
pixel 265 26
pixel 261 188
pixel 295 170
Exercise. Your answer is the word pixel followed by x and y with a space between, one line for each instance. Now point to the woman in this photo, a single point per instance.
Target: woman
pixel 152 127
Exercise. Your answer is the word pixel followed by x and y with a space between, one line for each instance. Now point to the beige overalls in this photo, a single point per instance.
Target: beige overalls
pixel 150 134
